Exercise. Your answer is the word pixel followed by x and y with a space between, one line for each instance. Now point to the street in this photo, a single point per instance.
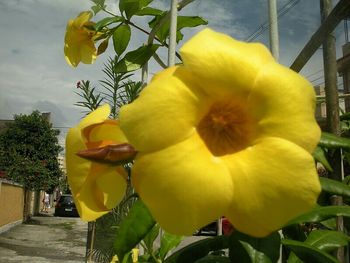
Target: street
pixel 45 239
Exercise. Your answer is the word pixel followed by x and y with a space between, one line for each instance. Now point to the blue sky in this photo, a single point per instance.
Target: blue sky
pixel 34 74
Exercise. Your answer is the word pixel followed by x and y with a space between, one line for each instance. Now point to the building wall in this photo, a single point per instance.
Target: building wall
pixel 11 202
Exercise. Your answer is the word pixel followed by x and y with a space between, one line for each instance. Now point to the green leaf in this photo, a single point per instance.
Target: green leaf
pixel 334 187
pixel 320 156
pixel 99 2
pixel 345 116
pixel 244 248
pixel 330 223
pixel 199 249
pixel 149 11
pixel 131 7
pixel 127 257
pixel 308 253
pixel 167 243
pixel 327 240
pixel 182 22
pixel 96 9
pixel 107 21
pixel 213 259
pixel 322 213
pixel 134 60
pixel 121 38
pixel 133 228
pixel 151 237
pixel 331 141
pixel 102 47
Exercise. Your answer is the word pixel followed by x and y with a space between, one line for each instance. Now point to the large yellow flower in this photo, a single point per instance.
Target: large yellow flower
pixel 79 40
pixel 229 133
pixel 96 187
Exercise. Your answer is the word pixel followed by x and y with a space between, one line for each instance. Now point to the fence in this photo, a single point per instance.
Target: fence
pixel 11 204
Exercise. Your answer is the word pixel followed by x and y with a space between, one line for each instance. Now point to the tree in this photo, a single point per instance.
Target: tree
pixel 28 152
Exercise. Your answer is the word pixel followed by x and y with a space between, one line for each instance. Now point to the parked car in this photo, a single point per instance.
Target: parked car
pixel 212 228
pixel 65 206
pixel 208 230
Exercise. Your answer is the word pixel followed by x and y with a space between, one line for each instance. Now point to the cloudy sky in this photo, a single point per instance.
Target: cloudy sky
pixel 34 74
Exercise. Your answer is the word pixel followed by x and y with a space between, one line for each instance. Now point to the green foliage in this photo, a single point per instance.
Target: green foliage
pixel 131 7
pixel 321 213
pixel 307 253
pixel 133 229
pixel 335 187
pixel 320 156
pixel 119 29
pixel 131 91
pixel 167 243
pixel 331 141
pixel 135 59
pixel 213 258
pixel 91 100
pixel 113 86
pixel 121 38
pixel 153 252
pixel 117 90
pixel 244 248
pixel 327 240
pixel 29 150
pixel 149 11
pixel 107 21
pixel 99 5
pixel 199 249
pixel 182 22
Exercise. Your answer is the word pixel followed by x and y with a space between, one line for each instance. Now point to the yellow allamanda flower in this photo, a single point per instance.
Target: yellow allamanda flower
pixel 96 187
pixel 79 40
pixel 228 133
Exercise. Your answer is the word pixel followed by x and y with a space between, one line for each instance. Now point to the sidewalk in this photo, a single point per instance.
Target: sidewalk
pixel 45 239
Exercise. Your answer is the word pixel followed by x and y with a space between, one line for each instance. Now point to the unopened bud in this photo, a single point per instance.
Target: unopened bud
pixel 112 153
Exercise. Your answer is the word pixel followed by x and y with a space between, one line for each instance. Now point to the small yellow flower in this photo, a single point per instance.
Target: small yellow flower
pixel 229 133
pixel 79 40
pixel 96 187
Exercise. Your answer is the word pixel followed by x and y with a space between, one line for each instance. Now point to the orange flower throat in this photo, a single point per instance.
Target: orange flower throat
pixel 226 128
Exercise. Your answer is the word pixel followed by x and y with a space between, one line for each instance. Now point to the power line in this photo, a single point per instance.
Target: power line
pixel 263 27
pixel 312 74
pixel 321 77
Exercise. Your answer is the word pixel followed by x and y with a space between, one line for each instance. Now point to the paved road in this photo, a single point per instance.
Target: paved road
pixel 45 239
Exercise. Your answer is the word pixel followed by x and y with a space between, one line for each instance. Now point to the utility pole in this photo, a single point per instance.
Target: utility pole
pixel 274 42
pixel 330 73
pixel 332 108
pixel 172 33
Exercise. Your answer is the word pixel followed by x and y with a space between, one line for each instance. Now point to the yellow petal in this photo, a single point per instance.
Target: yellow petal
pixel 103 189
pixel 72 54
pixel 274 181
pixel 77 167
pixel 184 186
pixel 165 113
pixel 284 104
pixel 89 200
pixel 97 116
pixel 82 18
pixel 88 52
pixel 224 65
pixel 79 43
pixel 108 130
pixel 112 185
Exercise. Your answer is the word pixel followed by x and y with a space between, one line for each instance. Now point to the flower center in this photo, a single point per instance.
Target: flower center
pixel 226 128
